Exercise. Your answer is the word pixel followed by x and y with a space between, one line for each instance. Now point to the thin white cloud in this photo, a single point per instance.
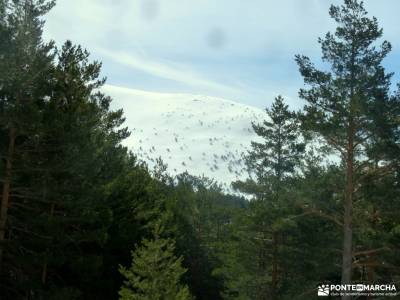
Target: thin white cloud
pixel 172 71
pixel 125 92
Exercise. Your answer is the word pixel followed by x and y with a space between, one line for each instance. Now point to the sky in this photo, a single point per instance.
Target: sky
pixel 234 49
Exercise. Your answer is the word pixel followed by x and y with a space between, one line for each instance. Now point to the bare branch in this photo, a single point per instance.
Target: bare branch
pixel 368 252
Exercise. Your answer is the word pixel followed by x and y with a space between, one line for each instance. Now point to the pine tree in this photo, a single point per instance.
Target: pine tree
pixel 345 103
pixel 155 273
pixel 272 161
pixel 280 150
pixel 24 62
pixel 64 148
pixel 80 153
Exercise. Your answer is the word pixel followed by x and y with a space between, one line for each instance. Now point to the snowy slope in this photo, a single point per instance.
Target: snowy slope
pixel 200 134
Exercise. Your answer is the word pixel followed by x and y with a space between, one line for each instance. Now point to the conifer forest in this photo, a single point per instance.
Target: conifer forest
pixel 312 201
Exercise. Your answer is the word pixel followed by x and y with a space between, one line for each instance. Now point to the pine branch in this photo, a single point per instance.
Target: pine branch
pixel 320 213
pixel 336 145
pixel 31 233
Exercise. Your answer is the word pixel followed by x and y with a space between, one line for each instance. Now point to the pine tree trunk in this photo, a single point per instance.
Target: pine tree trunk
pixel 44 273
pixel 370 273
pixel 348 213
pixel 274 265
pixel 5 199
pixel 45 264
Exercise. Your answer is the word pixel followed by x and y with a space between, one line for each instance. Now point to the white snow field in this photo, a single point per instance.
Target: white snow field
pixel 199 134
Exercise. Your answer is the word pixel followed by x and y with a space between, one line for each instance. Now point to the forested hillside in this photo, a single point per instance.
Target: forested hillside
pixel 84 217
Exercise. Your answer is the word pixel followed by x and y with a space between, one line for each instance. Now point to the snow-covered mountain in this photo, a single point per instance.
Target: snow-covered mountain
pixel 203 135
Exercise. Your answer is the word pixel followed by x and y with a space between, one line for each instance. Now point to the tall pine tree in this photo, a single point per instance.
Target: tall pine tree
pixel 343 103
pixel 271 163
pixel 24 62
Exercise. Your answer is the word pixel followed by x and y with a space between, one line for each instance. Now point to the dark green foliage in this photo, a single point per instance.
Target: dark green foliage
pixel 65 149
pixel 136 202
pixel 280 151
pixel 202 215
pixel 75 202
pixel 269 218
